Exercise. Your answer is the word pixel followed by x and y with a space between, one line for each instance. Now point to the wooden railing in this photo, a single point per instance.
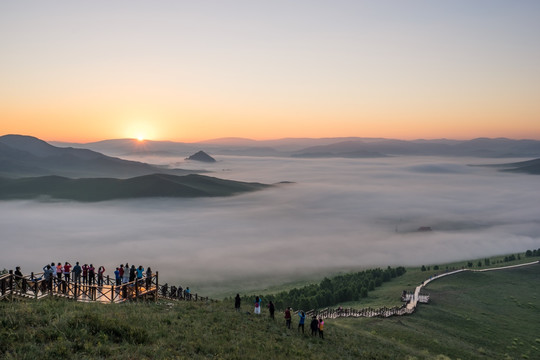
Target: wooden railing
pixel 172 293
pixel 34 286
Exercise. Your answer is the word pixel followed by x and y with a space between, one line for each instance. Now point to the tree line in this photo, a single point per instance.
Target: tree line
pixel 339 289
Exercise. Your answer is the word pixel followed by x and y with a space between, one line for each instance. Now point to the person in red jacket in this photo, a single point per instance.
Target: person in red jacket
pixel 288 317
pixel 67 271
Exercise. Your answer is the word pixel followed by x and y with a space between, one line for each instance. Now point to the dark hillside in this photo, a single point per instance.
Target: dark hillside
pixel 28 156
pixel 100 189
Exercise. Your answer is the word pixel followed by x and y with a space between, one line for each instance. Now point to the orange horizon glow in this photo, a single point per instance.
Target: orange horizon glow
pixel 361 69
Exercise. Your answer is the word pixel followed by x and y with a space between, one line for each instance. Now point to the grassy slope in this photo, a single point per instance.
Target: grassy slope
pixel 492 315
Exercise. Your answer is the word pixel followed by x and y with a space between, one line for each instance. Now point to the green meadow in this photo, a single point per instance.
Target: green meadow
pixel 471 315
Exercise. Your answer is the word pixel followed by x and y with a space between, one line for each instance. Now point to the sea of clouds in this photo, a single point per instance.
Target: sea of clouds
pixel 337 214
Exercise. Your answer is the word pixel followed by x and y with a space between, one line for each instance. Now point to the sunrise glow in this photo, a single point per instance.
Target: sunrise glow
pixel 400 70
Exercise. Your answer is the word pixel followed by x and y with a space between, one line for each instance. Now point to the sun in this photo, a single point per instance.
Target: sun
pixel 140 138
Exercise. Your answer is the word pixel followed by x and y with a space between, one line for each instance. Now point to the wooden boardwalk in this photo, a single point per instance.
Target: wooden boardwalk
pixel 413 299
pixel 35 287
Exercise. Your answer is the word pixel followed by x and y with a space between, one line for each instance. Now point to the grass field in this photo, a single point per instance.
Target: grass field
pixel 490 315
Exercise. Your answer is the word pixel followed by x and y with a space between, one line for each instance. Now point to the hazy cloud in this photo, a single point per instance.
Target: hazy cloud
pixel 338 213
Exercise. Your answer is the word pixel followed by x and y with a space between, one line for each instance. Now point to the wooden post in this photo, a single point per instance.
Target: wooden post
pixel 11 284
pixel 112 290
pixel 136 289
pixel 157 286
pixel 108 280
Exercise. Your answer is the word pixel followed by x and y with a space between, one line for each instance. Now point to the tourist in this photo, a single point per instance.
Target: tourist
pixel 117 276
pixel 140 273
pixel 149 280
pixel 101 271
pixel 85 274
pixel 91 274
pixel 237 302
pixel 187 293
pixel 302 316
pixel 271 309
pixel 180 291
pixel 288 317
pixel 67 271
pixel 19 280
pixel 77 273
pixel 314 326
pixel 125 277
pixel 121 270
pixel 257 305
pixel 321 328
pixel 58 272
pixel 132 272
pixel 48 275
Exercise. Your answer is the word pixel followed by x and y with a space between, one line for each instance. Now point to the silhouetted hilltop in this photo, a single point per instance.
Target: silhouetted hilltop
pixel 29 156
pixel 100 189
pixel 201 156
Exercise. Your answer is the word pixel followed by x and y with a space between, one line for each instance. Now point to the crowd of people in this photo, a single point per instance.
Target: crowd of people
pixel 316 325
pixel 176 292
pixel 88 274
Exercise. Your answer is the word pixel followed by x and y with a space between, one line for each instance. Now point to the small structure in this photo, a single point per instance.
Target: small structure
pixel 424 229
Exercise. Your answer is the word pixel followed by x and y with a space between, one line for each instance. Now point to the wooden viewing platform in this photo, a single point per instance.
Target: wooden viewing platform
pixel 35 287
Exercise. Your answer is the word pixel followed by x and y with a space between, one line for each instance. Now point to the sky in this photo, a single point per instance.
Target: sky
pixel 197 70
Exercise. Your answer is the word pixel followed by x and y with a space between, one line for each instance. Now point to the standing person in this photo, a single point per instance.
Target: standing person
pixel 237 302
pixel 302 316
pixel 58 271
pixel 257 305
pixel 67 271
pixel 132 272
pixel 321 328
pixel 140 273
pixel 180 291
pixel 100 272
pixel 125 277
pixel 314 325
pixel 187 293
pixel 19 279
pixel 271 308
pixel 77 273
pixel 48 275
pixel 117 276
pixel 149 279
pixel 288 317
pixel 121 270
pixel 91 274
pixel 85 274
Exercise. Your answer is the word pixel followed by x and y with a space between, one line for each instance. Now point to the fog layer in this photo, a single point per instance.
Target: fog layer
pixel 337 214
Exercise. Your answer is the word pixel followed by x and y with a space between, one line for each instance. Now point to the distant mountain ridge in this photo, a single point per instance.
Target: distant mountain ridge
pixel 355 147
pixel 29 156
pixel 102 189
